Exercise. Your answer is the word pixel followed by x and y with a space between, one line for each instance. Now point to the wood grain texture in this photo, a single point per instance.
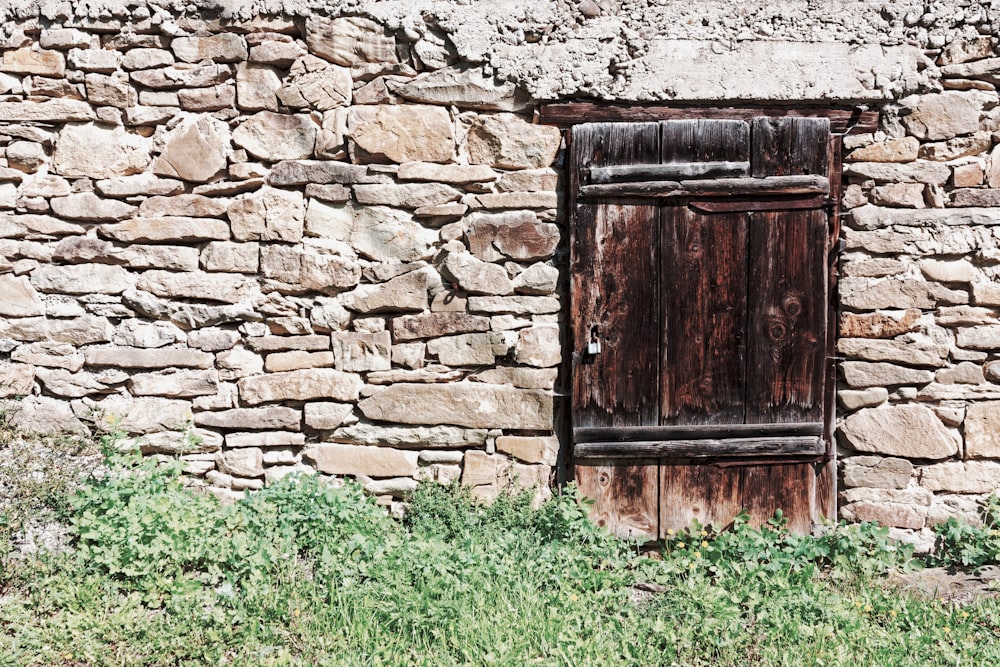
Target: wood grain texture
pixel 694 431
pixel 731 205
pixel 716 187
pixel 675 171
pixel 787 302
pixel 704 140
pixel 625 495
pixel 614 292
pixel 704 448
pixel 789 146
pixel 703 275
pixel 568 114
pixel 716 494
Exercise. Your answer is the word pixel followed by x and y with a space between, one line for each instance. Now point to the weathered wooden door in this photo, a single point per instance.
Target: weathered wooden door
pixel 700 303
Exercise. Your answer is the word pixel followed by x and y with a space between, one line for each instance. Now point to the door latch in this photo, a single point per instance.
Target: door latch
pixel 594 346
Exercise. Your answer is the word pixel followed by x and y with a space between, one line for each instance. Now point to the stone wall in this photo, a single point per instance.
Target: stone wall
pixel 249 246
pixel 920 327
pixel 330 236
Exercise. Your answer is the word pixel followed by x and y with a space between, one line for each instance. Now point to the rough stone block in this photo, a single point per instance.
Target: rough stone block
pixel 301 385
pixel 878 472
pixel 461 404
pixel 909 431
pixel 337 459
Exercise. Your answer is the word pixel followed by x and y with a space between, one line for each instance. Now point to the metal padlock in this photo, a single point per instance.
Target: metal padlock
pixel 594 347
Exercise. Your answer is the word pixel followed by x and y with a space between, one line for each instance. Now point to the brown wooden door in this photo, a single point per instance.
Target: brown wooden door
pixel 700 304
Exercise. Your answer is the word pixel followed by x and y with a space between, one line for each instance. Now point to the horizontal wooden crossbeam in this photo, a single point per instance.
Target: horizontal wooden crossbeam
pixel 714 187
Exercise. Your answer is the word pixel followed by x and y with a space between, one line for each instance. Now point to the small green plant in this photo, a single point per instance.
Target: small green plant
pixel 958 543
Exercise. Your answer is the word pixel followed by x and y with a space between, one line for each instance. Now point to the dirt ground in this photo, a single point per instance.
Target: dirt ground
pixel 951 586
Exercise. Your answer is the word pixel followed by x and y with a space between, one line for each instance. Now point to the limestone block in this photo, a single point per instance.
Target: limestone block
pixel 903 149
pixel 146 414
pixel 880 324
pixel 273 343
pixel 266 418
pixel 537 279
pixel 461 404
pixel 94 151
pixel 175 384
pixel 432 325
pixel 183 75
pixel 517 305
pixel 94 60
pixel 222 287
pixel 237 363
pixel 18 297
pixel 315 83
pixel 359 352
pixel 78 331
pixel 350 41
pixel 267 439
pixel 400 133
pixel 962 477
pixel 508 141
pixel 471 349
pixel 301 385
pixel 911 353
pixel 90 207
pixel 17 379
pixel 297 359
pixel 943 115
pixel 887 293
pixel 979 338
pixel 525 378
pixel 195 150
pixel 877 472
pixel 113 90
pixel 855 399
pixel 195 441
pixel 482 469
pixel 957 147
pixel 224 47
pixel 982 430
pixel 137 333
pixel 909 431
pixel 908 195
pixel 126 357
pixel 43 415
pixel 964 316
pixel 271 136
pixel 886 514
pixel 273 52
pixel 243 462
pixel 911 172
pixel 49 111
pixel 49 355
pixel 301 269
pixel 327 415
pixel 146 58
pixel 969 175
pixel 139 184
pixel 257 87
pixel 429 373
pixel 407 292
pixel 81 279
pixel 530 449
pixel 860 374
pixel 397 487
pixel 231 257
pixel 965 372
pixel 269 215
pixel 176 258
pixel 384 234
pixel 983 197
pixel 465 87
pixel 63 38
pixel 476 276
pixel 963 50
pixel 538 346
pixel 407 195
pixel 27 60
pixel 515 235
pixel 337 459
pixel 410 437
pixel 458 174
pixel 167 228
pixel 310 172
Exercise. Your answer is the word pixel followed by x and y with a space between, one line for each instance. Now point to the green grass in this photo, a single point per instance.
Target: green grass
pixel 306 574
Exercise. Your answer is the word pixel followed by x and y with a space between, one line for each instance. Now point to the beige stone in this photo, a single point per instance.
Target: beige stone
pixel 78 331
pixel 195 150
pixel 530 449
pixel 461 404
pixel 175 383
pixel 969 175
pixel 908 431
pixel 49 355
pixel 57 110
pixel 313 172
pixel 515 235
pixel 855 399
pixel 275 343
pixel 886 514
pixel 81 279
pixel 920 171
pixel 90 207
pixel 957 147
pixel 879 324
pixel 463 86
pixel 407 292
pixel 29 60
pixel 238 363
pixel 526 378
pixel 942 115
pixel 382 234
pixel 317 84
pixel 538 346
pixel 976 197
pixel 300 385
pixel 183 75
pixel 518 305
pixel 888 293
pixel 405 133
pixel 224 47
pixel 359 352
pixel 195 441
pixel 963 50
pixel 429 373
pixel 982 430
pixel 257 87
pixel 271 136
pixel 138 184
pixel 909 195
pixel 168 228
pixel 271 417
pixel 176 258
pixel 63 38
pixel 962 477
pixel 860 374
pixel 16 379
pixel 445 173
pixel 113 90
pixel 243 462
pixel 509 142
pixel 268 439
pixel 327 415
pixel 146 58
pixel 94 151
pixel 350 41
pixel 18 298
pixel 137 333
pixel 877 472
pixel 45 416
pixel 966 372
pixel 538 279
pixel 471 349
pixel 146 414
pixel 337 459
pixel 407 195
pixel 476 276
pixel 273 52
pixel 297 359
pixel 196 285
pixel 903 149
pixel 410 437
pixel 270 214
pixel 911 353
pixel 979 338
pixel 125 357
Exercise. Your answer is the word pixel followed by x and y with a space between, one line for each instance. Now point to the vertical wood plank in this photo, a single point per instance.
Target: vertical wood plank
pixel 707 493
pixel 789 146
pixel 789 487
pixel 705 140
pixel 614 293
pixel 625 496
pixel 787 305
pixel 703 276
